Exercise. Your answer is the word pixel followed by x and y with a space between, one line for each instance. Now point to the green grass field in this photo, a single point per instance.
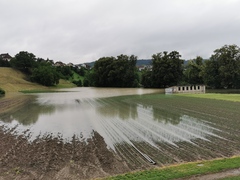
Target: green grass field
pixel 183 170
pixel 76 77
pixel 12 80
pixel 218 96
pixel 195 168
pixel 231 178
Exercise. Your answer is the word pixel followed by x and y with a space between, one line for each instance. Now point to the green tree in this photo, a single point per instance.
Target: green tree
pixel 147 79
pixel 193 73
pixel 211 75
pixel 86 83
pixel 45 75
pixel 223 68
pixel 24 61
pixel 79 70
pixel 2 92
pixel 167 69
pixel 64 71
pixel 116 72
pixel 128 76
pixel 77 82
pixel 89 78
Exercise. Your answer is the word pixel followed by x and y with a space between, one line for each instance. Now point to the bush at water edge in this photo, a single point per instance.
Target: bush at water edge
pixel 2 92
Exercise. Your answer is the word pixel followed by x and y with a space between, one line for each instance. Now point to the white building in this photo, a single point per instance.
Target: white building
pixel 186 89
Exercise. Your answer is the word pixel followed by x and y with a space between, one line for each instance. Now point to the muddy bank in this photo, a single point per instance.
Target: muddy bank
pixel 50 158
pixel 13 102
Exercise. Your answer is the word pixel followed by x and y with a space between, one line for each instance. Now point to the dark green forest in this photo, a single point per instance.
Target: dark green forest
pixel 221 70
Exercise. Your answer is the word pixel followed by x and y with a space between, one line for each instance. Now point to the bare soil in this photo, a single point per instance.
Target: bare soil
pixel 51 158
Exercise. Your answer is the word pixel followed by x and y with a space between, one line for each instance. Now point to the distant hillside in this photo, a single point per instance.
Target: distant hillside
pixel 140 62
pixel 12 80
pixel 91 64
pixel 186 61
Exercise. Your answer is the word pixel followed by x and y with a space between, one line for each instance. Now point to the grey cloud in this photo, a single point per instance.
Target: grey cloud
pixel 84 30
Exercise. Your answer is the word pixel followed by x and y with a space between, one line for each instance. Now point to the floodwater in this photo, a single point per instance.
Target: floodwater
pixel 117 115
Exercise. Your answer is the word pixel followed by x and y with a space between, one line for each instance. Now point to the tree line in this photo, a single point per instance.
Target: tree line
pixel 40 70
pixel 115 72
pixel 221 70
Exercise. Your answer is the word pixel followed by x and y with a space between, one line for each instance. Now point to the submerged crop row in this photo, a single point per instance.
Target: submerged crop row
pixel 140 130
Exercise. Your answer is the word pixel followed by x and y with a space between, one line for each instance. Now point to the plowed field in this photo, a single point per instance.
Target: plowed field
pixel 72 136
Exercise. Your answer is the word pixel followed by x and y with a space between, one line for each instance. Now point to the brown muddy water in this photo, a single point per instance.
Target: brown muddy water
pixel 78 111
pixel 139 125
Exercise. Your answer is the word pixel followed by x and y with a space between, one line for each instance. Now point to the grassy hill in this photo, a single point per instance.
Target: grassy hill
pixel 12 80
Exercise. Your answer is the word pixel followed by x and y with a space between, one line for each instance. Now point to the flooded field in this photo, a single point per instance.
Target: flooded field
pixel 132 128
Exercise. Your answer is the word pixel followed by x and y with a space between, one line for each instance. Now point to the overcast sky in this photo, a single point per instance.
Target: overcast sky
pixel 81 31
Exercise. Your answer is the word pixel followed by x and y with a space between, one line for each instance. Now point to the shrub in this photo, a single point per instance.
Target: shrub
pixel 45 75
pixel 77 82
pixel 2 92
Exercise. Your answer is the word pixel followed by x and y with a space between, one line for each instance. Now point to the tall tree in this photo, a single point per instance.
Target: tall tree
pixel 45 75
pixel 128 75
pixel 147 79
pixel 167 69
pixel 65 72
pixel 116 72
pixel 193 73
pixel 24 61
pixel 223 68
pixel 104 72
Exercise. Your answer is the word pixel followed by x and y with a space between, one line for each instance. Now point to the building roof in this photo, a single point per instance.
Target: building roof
pixel 5 56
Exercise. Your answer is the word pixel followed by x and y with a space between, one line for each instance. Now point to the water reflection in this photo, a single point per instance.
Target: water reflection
pixel 166 116
pixel 117 119
pixel 117 107
pixel 28 114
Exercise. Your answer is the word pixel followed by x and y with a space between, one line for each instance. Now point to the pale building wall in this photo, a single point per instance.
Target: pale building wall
pixel 186 89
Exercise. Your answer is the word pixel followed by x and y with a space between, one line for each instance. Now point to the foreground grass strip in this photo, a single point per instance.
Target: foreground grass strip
pixel 226 97
pixel 183 170
pixel 231 178
pixel 43 91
